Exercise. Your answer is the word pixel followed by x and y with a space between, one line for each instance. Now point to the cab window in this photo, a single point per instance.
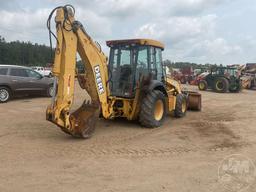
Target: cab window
pixel 121 70
pixel 158 53
pixel 152 65
pixel 125 57
pixel 156 63
pixel 18 72
pixel 33 74
pixel 141 61
pixel 3 71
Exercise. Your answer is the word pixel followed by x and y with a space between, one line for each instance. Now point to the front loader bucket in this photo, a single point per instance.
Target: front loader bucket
pixel 194 101
pixel 83 121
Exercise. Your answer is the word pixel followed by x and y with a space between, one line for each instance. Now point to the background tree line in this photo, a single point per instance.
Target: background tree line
pixel 24 53
pixel 171 64
pixel 27 54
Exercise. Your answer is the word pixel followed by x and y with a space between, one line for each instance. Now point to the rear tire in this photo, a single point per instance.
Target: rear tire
pixel 5 94
pixel 221 85
pixel 235 88
pixel 181 106
pixel 50 91
pixel 153 109
pixel 202 85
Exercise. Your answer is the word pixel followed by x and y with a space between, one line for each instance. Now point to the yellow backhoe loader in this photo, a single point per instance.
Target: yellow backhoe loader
pixel 131 83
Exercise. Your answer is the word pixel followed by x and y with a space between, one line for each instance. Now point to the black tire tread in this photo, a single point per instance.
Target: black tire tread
pixel 206 85
pixel 238 89
pixel 146 116
pixel 178 108
pixel 226 85
pixel 9 91
pixel 48 91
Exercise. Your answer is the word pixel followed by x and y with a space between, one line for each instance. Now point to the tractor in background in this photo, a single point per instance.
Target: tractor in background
pixel 221 80
pixel 184 75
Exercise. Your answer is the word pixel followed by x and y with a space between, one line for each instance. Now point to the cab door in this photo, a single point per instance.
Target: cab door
pixel 156 68
pixel 26 81
pixel 159 64
pixel 35 83
pixel 18 78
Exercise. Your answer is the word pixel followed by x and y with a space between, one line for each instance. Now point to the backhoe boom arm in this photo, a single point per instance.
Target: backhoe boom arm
pixel 72 38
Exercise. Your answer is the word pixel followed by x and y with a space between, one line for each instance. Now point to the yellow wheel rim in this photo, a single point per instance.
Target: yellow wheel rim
pixel 201 85
pixel 159 110
pixel 184 106
pixel 219 85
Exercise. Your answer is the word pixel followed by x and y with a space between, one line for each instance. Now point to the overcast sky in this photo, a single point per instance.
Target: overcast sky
pixel 202 31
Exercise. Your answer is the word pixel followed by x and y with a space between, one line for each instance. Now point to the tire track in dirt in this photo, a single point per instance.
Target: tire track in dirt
pixel 138 152
pixel 209 126
pixel 215 127
pixel 125 151
pixel 117 144
pixel 82 151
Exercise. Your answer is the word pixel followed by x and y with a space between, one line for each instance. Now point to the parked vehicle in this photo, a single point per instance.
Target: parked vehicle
pixel 248 73
pixel 185 75
pixel 43 71
pixel 131 85
pixel 221 80
pixel 198 78
pixel 17 80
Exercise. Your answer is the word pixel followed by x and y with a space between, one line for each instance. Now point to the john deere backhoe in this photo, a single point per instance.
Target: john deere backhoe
pixel 131 84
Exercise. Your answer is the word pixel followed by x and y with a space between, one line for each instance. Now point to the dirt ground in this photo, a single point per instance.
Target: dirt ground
pixel 183 155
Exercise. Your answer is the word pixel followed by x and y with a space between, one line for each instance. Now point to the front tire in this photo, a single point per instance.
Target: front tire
pixel 50 91
pixel 5 94
pixel 153 109
pixel 221 85
pixel 181 106
pixel 202 85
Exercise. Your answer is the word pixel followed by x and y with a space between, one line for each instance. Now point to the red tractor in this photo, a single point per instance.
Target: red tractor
pixel 199 77
pixel 185 75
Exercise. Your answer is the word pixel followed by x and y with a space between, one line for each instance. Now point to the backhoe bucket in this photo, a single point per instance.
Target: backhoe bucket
pixel 83 121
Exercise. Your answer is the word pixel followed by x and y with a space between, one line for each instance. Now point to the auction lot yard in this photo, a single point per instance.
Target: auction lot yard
pixel 182 155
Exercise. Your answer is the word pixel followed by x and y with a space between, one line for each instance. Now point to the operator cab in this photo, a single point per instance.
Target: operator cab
pixel 129 61
pixel 228 72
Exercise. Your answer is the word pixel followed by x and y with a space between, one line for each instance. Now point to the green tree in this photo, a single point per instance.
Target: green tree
pixel 24 53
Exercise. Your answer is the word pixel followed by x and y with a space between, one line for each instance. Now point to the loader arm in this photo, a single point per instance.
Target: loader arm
pixel 73 39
